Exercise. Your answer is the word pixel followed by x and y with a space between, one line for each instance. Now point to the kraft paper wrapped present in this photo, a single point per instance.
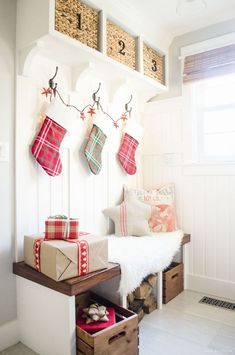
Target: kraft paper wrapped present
pixel 63 259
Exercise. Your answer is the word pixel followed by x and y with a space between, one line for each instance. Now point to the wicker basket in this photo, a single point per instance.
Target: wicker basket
pixel 78 21
pixel 121 46
pixel 154 64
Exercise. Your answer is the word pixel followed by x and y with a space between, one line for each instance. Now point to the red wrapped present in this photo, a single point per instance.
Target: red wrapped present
pixel 96 326
pixel 61 228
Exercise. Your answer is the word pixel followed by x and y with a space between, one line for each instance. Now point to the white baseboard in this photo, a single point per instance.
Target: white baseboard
pixel 210 286
pixel 9 334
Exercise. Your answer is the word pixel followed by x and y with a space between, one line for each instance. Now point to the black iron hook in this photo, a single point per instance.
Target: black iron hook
pixel 51 81
pixel 96 100
pixel 95 93
pixel 127 105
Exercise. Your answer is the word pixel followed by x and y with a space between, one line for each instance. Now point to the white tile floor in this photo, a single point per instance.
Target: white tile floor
pixel 18 349
pixel 186 327
pixel 182 327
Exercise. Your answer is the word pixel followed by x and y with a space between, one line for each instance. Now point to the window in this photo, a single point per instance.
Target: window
pixel 213 111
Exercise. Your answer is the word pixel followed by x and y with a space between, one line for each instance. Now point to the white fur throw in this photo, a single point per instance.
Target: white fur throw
pixel 139 257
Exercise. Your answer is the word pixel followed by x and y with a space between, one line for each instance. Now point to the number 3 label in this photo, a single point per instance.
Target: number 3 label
pixel 154 67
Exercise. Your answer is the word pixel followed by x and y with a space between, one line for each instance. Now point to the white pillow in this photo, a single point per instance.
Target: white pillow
pixel 130 217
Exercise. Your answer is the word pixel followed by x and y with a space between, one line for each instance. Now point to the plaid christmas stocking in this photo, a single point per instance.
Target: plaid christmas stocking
pixel 46 147
pixel 131 138
pixel 126 154
pixel 93 149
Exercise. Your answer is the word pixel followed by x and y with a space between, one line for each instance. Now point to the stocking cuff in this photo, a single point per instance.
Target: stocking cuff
pixel 60 114
pixel 103 123
pixel 134 129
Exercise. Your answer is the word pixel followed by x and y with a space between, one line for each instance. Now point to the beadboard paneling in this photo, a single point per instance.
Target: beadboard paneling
pixel 205 198
pixel 76 191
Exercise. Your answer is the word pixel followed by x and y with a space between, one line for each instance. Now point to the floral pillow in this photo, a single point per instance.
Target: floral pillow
pixel 162 202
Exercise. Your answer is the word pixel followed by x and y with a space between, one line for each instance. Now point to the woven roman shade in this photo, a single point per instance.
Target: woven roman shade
pixel 215 62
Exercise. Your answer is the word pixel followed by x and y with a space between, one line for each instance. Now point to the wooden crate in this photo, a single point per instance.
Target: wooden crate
pixel 154 64
pixel 118 339
pixel 173 281
pixel 121 46
pixel 77 20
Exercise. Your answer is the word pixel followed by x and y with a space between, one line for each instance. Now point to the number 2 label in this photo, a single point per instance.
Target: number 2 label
pixel 122 44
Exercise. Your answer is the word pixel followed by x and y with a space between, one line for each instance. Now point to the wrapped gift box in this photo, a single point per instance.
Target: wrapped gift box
pixel 63 259
pixel 96 326
pixel 61 228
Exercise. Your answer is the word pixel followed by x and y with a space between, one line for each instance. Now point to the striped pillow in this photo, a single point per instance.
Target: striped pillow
pixel 130 217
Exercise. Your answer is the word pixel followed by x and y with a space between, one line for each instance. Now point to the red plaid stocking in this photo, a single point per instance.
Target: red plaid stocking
pixel 126 154
pixel 46 147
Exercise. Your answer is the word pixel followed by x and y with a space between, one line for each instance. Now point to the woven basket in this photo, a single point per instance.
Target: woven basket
pixel 154 64
pixel 121 46
pixel 78 21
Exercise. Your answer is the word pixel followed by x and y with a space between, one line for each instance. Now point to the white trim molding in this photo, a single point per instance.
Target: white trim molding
pixel 207 45
pixel 9 334
pixel 211 286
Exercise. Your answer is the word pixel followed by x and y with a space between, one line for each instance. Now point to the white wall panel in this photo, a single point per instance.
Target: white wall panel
pixel 210 225
pixel 231 242
pixel 205 198
pixel 198 210
pixel 187 219
pixel 222 228
pixel 7 98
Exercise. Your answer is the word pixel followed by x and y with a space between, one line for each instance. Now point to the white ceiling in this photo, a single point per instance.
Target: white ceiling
pixel 190 17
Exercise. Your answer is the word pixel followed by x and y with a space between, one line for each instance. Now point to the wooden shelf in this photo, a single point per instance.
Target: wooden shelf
pixel 186 239
pixel 79 57
pixel 43 40
pixel 69 287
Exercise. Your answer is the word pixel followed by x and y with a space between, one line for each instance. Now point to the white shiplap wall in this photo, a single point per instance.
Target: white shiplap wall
pixel 205 198
pixel 76 192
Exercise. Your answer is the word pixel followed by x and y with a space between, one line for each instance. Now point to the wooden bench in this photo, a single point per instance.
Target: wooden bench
pixel 186 239
pixel 81 284
pixel 46 306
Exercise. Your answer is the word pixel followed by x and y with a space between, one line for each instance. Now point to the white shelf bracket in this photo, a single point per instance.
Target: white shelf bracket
pixel 117 85
pixel 77 72
pixel 26 57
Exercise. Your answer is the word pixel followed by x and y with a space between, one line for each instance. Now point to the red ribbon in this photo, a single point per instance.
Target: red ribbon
pixel 83 254
pixel 36 252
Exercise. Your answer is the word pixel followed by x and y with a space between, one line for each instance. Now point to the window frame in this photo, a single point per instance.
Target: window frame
pixel 191 140
pixel 198 110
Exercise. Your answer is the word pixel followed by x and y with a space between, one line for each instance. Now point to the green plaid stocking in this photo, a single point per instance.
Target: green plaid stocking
pixel 94 148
